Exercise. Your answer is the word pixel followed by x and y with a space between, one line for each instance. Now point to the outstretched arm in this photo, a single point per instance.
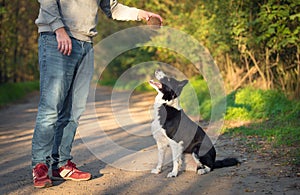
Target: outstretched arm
pixel 115 10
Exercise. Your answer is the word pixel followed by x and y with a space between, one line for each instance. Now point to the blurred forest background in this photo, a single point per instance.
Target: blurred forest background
pixel 254 42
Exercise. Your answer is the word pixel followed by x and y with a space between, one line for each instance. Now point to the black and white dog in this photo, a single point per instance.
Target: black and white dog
pixel 172 127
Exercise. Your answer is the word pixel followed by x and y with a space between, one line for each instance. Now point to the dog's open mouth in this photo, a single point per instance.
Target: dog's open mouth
pixel 157 84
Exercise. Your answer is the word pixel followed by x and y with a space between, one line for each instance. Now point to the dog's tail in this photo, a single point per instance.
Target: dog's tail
pixel 227 162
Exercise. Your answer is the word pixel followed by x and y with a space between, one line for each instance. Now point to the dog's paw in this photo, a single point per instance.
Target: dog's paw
pixel 203 171
pixel 156 171
pixel 172 174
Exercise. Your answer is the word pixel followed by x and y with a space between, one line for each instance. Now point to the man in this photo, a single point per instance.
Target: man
pixel 66 67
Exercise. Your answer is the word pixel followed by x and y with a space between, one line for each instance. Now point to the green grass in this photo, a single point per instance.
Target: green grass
pixel 10 92
pixel 251 104
pixel 281 135
pixel 272 116
pixel 278 132
pixel 196 93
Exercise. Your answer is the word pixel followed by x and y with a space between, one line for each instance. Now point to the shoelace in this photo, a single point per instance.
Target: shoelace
pixel 40 171
pixel 72 165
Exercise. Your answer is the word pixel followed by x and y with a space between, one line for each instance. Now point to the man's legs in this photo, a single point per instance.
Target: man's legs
pixel 56 73
pixel 56 77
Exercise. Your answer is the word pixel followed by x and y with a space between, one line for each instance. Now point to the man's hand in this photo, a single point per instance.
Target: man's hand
pixel 144 15
pixel 64 41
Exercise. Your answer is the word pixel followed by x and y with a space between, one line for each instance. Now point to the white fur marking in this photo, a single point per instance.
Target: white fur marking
pixel 159 74
pixel 162 145
pixel 203 171
pixel 177 150
pixel 199 164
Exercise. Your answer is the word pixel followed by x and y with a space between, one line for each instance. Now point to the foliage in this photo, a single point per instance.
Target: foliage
pixel 253 42
pixel 125 61
pixel 189 102
pixel 251 104
pixel 18 35
pixel 13 91
pixel 244 104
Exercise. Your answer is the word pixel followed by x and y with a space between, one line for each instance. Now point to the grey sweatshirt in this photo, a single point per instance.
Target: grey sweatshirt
pixel 79 17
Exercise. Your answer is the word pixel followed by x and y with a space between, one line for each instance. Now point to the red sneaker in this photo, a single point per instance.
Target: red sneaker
pixel 40 176
pixel 70 172
pixel 56 176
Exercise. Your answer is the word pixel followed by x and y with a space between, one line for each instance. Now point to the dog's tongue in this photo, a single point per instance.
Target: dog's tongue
pixel 157 84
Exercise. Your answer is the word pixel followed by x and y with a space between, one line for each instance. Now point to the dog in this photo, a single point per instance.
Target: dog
pixel 172 128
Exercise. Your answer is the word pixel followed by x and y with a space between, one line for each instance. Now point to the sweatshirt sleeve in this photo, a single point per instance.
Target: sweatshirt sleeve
pixel 51 14
pixel 117 11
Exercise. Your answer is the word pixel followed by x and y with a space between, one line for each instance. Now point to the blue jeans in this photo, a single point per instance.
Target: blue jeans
pixel 64 87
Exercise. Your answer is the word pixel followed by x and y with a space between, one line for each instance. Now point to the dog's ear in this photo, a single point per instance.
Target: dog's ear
pixel 183 83
pixel 180 86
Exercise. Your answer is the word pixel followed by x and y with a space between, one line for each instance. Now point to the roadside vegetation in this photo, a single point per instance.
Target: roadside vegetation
pixel 256 45
pixel 11 92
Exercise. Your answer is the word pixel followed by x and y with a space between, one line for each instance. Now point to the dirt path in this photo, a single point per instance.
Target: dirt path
pixel 259 174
